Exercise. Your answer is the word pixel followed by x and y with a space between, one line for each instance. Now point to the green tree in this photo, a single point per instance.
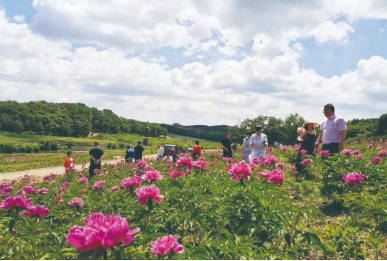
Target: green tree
pixel 382 125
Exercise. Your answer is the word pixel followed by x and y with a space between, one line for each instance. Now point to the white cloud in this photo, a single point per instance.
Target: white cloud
pixel 48 65
pixel 19 19
pixel 330 31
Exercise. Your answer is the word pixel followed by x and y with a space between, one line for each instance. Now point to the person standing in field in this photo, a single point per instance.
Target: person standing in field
pixel 258 143
pixel 96 154
pixel 246 147
pixel 129 154
pixel 332 131
pixel 226 145
pixel 69 162
pixel 307 138
pixel 138 150
pixel 160 152
pixel 196 151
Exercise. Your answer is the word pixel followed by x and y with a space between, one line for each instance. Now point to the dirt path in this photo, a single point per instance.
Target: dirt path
pixel 39 173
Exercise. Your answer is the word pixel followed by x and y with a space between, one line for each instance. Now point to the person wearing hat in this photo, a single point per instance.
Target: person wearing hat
pixel 226 145
pixel 258 143
pixel 307 138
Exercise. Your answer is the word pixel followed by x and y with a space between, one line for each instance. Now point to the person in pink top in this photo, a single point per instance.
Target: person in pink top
pixel 332 132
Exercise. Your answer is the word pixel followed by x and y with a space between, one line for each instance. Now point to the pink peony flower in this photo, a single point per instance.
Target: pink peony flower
pixel 293 168
pixel 46 178
pixel 25 178
pixel 141 164
pixel 151 175
pixel 76 202
pixel 376 160
pixel 96 171
pixel 185 162
pixel 356 152
pixel 265 173
pixel 5 189
pixel 148 192
pixel 63 189
pixel 370 146
pixel 280 165
pixel 54 181
pixel 276 177
pixel 353 178
pixel 83 180
pixel 40 211
pixel 176 174
pixel 303 152
pixel 28 189
pixel 305 162
pixel 33 184
pixel 42 191
pixel 268 160
pixel 164 245
pixel 359 156
pixel 200 165
pixel 346 152
pixel 240 170
pixel 66 184
pixel 129 182
pixel 382 153
pixel 316 150
pixel 99 184
pixel 115 188
pixel 325 153
pixel 101 231
pixel 16 202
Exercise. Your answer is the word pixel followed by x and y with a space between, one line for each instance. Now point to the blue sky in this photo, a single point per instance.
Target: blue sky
pixel 176 61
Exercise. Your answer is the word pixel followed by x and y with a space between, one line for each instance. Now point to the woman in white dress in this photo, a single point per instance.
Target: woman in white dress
pixel 258 142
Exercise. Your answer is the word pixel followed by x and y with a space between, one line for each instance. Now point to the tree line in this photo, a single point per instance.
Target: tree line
pixel 211 133
pixel 284 131
pixel 69 120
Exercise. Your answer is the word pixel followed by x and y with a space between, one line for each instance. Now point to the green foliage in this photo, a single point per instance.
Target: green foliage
pixel 278 131
pixel 69 120
pixel 212 133
pixel 145 141
pixel 382 125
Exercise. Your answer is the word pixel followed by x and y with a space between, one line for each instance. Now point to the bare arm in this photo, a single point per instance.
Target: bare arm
pixel 319 140
pixel 223 146
pixel 342 139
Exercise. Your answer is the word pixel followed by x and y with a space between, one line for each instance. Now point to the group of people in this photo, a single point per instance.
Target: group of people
pixel 134 154
pixel 332 137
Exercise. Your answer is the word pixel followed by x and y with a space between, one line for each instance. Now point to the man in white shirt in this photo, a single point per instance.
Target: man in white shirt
pixel 258 142
pixel 160 152
pixel 332 132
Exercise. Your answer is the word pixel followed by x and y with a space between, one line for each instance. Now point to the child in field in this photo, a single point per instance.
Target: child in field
pixel 69 162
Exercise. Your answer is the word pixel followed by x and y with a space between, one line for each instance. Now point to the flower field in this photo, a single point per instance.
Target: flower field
pixel 213 208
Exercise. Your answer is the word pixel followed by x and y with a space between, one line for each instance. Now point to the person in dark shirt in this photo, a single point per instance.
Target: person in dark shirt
pixel 138 150
pixel 129 154
pixel 96 154
pixel 226 145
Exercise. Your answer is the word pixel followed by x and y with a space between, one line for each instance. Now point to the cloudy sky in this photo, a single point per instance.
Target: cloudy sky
pixel 198 62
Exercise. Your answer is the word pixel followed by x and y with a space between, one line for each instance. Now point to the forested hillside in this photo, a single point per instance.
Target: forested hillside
pixel 68 119
pixel 213 133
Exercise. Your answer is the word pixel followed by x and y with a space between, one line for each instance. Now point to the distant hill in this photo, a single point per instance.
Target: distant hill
pixel 212 133
pixel 68 120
